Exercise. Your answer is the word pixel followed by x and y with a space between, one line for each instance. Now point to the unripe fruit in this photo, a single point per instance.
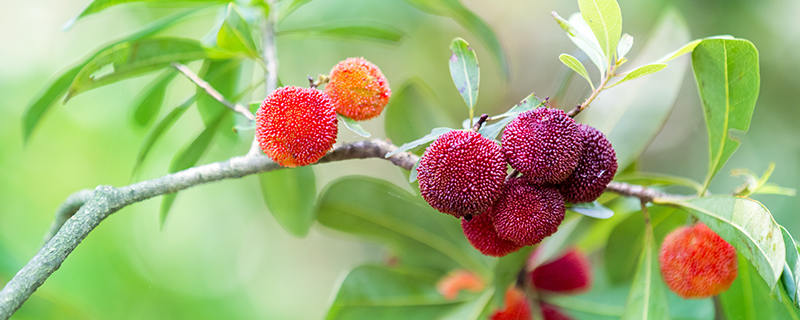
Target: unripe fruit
pixel 461 173
pixel 544 144
pixel 358 89
pixel 550 312
pixel 596 168
pixel 459 280
pixel 696 262
pixel 481 234
pixel 569 273
pixel 517 307
pixel 296 126
pixel 527 213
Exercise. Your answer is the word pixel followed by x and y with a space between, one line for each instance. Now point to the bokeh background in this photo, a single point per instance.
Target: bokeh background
pixel 221 254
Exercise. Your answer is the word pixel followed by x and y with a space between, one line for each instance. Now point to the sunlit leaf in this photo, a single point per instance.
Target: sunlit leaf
pixel 573 63
pixel 149 102
pixel 592 209
pixel 365 32
pixel 605 19
pixel 647 298
pixel 354 126
pixel 624 46
pixel 290 195
pixel 235 35
pixel 581 35
pixel 641 72
pixel 465 71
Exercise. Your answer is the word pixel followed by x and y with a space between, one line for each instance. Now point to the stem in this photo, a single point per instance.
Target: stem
pixel 610 74
pixel 213 92
pixel 270 57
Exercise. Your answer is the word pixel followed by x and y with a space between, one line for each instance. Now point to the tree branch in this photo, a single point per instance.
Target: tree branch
pixel 213 92
pixel 91 207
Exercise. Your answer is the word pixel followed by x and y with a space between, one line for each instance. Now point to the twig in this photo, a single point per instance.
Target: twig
pixel 270 56
pixel 480 122
pixel 610 74
pixel 213 92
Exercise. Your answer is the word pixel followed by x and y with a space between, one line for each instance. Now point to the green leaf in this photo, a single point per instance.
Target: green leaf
pixel 747 225
pixel 573 63
pixel 413 111
pixel 556 244
pixel 624 46
pixel 791 271
pixel 419 235
pixel 289 194
pixel 592 209
pixel 188 157
pixel 605 19
pixel 132 58
pixel 581 35
pixel 689 47
pixel 641 72
pixel 158 131
pixel 222 75
pixel 477 309
pixel 749 298
pixel 728 82
pixel 149 102
pixel 354 126
pixel 58 88
pixel 433 135
pixel 618 112
pixel 364 32
pixel 470 21
pixel 492 130
pixel 234 34
pixel 378 292
pixel 647 299
pixel 650 179
pixel 506 272
pixel 291 6
pixel 100 5
pixel 465 72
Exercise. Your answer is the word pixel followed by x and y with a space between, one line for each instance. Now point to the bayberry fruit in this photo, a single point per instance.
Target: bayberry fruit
pixel 481 234
pixel 551 312
pixel 527 213
pixel 596 168
pixel 461 173
pixel 296 126
pixel 544 144
pixel 696 262
pixel 453 283
pixel 569 273
pixel 517 307
pixel 358 89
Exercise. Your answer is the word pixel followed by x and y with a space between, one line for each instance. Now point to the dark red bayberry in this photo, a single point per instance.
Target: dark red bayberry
pixel 527 213
pixel 481 234
pixel 596 168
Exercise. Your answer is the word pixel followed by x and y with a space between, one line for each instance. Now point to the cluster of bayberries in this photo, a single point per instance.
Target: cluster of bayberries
pixel 463 174
pixel 297 126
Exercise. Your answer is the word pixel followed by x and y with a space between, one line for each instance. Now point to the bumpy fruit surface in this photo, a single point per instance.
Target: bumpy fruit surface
pixel 527 213
pixel 458 280
pixel 516 308
pixel 596 168
pixel 358 89
pixel 296 126
pixel 550 312
pixel 461 173
pixel 544 144
pixel 696 262
pixel 481 234
pixel 569 273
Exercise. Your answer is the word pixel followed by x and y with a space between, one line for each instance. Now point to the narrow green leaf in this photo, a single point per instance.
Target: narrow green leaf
pixel 506 271
pixel 435 133
pixel 149 102
pixel 647 299
pixel 412 176
pixel 747 225
pixel 419 235
pixel 476 309
pixel 649 179
pixel 364 32
pixel 159 130
pixel 100 5
pixel 224 76
pixel 728 82
pixel 354 126
pixel 413 111
pixel 791 271
pixel 689 47
pixel 605 19
pixel 235 35
pixel 290 196
pixel 748 298
pixel 492 130
pixel 132 58
pixel 573 63
pixel 592 209
pixel 641 72
pixel 581 35
pixel 289 7
pixel 465 71
pixel 624 46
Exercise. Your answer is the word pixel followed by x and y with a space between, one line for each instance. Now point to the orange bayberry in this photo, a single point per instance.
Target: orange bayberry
pixel 569 273
pixel 461 173
pixel 459 280
pixel 696 262
pixel 481 234
pixel 296 126
pixel 517 307
pixel 358 89
pixel 527 213
pixel 595 170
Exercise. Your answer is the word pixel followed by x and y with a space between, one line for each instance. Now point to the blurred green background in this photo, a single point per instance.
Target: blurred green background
pixel 220 254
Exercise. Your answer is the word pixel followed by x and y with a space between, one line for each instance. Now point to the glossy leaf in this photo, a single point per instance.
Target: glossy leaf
pixel 465 71
pixel 747 225
pixel 605 19
pixel 158 131
pixel 149 102
pixel 234 34
pixel 419 235
pixel 618 111
pixel 365 32
pixel 592 209
pixel 412 112
pixel 647 298
pixel 354 126
pixel 624 46
pixel 573 63
pixel 289 194
pixel 493 130
pixel 132 58
pixel 791 271
pixel 728 82
pixel 641 72
pixel 430 137
pixel 581 35
pixel 470 21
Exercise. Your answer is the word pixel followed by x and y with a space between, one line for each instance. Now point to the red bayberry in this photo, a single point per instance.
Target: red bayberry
pixel 481 234
pixel 527 213
pixel 550 312
pixel 358 89
pixel 459 280
pixel 696 262
pixel 596 168
pixel 569 273
pixel 517 307
pixel 461 173
pixel 544 144
pixel 296 126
